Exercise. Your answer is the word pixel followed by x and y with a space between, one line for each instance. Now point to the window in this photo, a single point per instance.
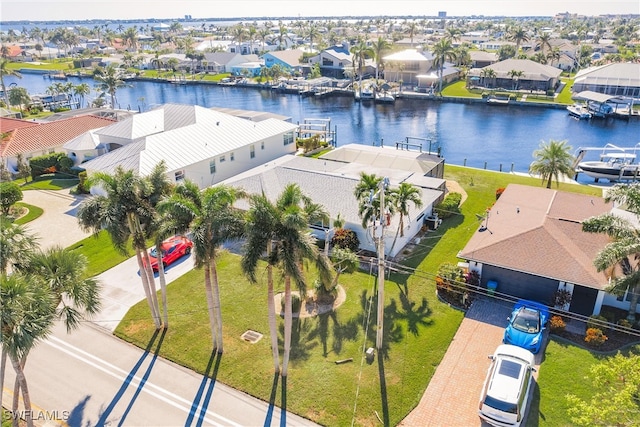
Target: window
pixel 288 138
pixel 212 166
pixel 262 145
pixel 231 156
pixel 179 175
pixel 222 159
pixel 252 151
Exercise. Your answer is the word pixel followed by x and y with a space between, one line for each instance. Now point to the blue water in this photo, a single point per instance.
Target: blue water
pixel 470 134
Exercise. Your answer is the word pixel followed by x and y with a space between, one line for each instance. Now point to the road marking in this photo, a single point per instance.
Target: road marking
pixel 34 408
pixel 110 369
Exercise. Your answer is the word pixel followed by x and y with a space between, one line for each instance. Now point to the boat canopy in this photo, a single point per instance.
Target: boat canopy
pixel 589 95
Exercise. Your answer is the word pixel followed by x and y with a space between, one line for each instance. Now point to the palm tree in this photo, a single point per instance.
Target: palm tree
pixel 411 29
pixel 213 220
pixel 16 245
pixel 360 53
pixel 282 229
pixel 364 192
pixel 6 71
pixel 401 197
pixel 624 250
pixel 344 261
pixel 126 213
pixel 544 42
pixel 515 75
pixel 518 35
pixel 63 272
pixel 443 51
pixel 26 318
pixel 109 81
pixel 552 160
pixel 80 91
pixel 379 47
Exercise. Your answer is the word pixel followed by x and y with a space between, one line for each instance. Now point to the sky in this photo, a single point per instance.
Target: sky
pixel 52 10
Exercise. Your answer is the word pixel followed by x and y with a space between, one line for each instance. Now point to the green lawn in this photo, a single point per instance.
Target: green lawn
pixel 418 327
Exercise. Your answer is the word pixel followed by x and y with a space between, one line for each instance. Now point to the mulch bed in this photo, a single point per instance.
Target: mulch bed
pixel 615 340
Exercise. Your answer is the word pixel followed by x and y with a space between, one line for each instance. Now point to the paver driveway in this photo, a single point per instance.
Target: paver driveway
pixel 452 397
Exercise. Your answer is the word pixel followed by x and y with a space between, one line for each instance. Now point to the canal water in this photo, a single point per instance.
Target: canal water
pixel 476 135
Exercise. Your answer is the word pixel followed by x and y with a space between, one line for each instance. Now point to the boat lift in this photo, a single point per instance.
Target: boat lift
pixel 605 151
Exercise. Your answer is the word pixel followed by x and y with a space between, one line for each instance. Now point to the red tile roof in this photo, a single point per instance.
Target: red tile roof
pixel 44 136
pixel 7 124
pixel 539 231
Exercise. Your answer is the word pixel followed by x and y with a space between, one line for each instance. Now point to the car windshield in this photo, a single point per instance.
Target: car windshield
pixel 527 320
pixel 154 252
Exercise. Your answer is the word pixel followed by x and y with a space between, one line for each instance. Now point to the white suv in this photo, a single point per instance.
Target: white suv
pixel 505 393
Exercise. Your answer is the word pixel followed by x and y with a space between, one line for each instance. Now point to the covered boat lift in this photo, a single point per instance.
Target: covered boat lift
pixel 603 105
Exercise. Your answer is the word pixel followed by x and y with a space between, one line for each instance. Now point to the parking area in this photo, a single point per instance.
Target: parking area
pixel 452 397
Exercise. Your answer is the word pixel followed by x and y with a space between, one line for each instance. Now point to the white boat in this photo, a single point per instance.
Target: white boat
pixel 615 164
pixel 385 98
pixel 579 111
pixel 494 100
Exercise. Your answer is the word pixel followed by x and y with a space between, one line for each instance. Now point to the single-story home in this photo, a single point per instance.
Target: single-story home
pixel 619 79
pixel 33 139
pixel 289 59
pixel 531 244
pixel 331 180
pixel 535 76
pixel 196 143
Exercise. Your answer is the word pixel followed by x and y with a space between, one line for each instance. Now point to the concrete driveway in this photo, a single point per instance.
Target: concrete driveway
pixel 452 397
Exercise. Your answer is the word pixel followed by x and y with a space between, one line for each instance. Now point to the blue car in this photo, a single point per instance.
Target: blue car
pixel 526 324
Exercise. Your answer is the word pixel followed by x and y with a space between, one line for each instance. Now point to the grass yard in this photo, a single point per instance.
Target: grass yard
pixel 564 370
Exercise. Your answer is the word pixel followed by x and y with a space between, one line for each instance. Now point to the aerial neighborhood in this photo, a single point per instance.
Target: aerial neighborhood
pixel 352 283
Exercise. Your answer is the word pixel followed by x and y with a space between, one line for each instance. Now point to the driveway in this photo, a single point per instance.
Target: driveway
pixel 452 397
pixel 58 224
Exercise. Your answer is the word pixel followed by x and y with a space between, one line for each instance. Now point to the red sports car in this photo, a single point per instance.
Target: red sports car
pixel 172 250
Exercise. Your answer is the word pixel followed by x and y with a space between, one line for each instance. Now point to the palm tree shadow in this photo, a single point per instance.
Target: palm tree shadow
pixel 392 332
pixel 414 316
pixel 77 413
pixel 209 376
pixel 272 400
pixel 341 332
pixel 131 376
pixel 283 409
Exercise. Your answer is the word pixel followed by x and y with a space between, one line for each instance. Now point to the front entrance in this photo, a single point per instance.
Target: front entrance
pixel 583 300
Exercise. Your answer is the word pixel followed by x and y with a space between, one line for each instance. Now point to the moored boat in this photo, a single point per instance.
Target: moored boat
pixel 385 98
pixel 578 111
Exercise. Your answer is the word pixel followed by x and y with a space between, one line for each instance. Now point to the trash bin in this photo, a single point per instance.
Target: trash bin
pixel 492 285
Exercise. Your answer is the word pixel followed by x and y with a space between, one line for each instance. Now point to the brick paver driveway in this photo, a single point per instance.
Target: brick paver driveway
pixel 452 397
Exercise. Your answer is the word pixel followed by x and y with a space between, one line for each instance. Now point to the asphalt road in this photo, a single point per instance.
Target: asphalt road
pixel 90 378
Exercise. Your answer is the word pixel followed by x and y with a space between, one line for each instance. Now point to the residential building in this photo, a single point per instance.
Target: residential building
pixel 619 79
pixel 331 180
pixel 531 244
pixel 535 76
pixel 196 143
pixel 289 60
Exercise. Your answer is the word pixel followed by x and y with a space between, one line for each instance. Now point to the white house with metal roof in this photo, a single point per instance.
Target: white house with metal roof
pixel 331 180
pixel 196 143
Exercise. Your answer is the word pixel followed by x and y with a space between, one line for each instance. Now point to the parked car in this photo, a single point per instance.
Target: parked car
pixel 526 325
pixel 172 250
pixel 506 389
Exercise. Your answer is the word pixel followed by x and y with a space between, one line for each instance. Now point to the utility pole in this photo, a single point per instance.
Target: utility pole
pixel 379 334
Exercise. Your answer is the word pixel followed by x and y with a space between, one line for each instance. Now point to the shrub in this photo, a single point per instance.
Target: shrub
pixel 50 163
pixel 561 298
pixel 624 323
pixel 499 192
pixel 10 193
pixel 296 303
pixel 345 238
pixel 82 187
pixel 595 337
pixel 449 206
pixel 557 324
pixel 596 322
pixel 450 284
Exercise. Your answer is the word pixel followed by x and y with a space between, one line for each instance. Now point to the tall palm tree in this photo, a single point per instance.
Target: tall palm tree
pixel 6 71
pixel 624 250
pixel 553 159
pixel 518 35
pixel 26 318
pixel 515 76
pixel 443 51
pixel 80 91
pixel 411 29
pixel 212 220
pixel 401 198
pixel 544 42
pixel 360 53
pixel 380 45
pixel 16 245
pixel 283 230
pixel 125 212
pixel 369 208
pixel 109 81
